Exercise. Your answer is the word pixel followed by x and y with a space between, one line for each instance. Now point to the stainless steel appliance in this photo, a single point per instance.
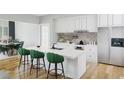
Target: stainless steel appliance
pixel 117 51
pixel 117 46
pixel 117 42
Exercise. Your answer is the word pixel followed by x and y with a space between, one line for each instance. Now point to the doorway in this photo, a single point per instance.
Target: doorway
pixel 45 35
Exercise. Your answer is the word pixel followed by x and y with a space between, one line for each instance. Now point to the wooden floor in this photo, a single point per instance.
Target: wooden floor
pixel 9 69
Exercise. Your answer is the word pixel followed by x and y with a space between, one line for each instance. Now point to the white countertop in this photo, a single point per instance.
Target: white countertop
pixel 7 43
pixel 69 53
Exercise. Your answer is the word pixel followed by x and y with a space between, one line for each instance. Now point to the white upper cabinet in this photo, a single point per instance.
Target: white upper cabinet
pixel 76 23
pixel 92 23
pixel 70 23
pixel 83 22
pixel 80 23
pixel 117 20
pixel 102 20
pixel 59 26
pixel 64 25
pixel 110 20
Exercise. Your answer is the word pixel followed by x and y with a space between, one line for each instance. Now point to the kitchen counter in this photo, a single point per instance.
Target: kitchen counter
pixel 74 60
pixel 69 53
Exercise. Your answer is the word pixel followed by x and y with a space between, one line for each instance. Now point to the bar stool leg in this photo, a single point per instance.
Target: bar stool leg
pixel 56 70
pixel 24 63
pixel 48 70
pixel 39 64
pixel 20 61
pixel 27 59
pixel 63 70
pixel 31 66
pixel 44 64
pixel 37 68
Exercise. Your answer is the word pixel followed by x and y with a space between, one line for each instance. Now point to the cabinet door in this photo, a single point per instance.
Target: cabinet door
pixel 91 53
pixel 102 20
pixel 70 25
pixel 64 25
pixel 80 23
pixel 116 56
pixel 77 23
pixel 59 26
pixel 117 20
pixel 83 22
pixel 91 23
pixel 122 19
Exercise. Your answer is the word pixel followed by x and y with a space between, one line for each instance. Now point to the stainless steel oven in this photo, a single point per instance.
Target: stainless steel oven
pixel 117 42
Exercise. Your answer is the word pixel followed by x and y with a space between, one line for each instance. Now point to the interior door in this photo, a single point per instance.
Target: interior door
pixel 45 35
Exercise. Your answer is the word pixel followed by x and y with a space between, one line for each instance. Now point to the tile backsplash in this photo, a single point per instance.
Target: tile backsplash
pixel 86 37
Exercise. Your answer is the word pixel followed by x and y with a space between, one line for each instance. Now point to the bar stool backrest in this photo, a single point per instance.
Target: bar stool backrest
pixel 55 58
pixel 36 54
pixel 23 51
pixel 21 44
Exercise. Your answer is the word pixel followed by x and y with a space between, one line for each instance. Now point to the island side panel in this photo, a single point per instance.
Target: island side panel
pixel 81 65
pixel 75 68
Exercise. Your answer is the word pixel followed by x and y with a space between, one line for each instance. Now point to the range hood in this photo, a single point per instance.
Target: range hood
pixel 80 31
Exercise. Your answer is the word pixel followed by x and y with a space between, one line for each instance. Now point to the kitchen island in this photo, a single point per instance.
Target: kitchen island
pixel 74 60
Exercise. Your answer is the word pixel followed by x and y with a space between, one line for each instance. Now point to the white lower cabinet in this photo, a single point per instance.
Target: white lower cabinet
pixel 91 53
pixel 116 57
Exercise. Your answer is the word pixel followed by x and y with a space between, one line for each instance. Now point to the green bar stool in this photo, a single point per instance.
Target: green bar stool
pixel 3 50
pixel 23 53
pixel 55 59
pixel 19 45
pixel 37 55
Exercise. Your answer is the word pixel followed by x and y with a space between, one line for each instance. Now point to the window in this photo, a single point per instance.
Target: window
pixel 4 30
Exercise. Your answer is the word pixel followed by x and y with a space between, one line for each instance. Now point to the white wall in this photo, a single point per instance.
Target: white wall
pixel 28 32
pixel 20 17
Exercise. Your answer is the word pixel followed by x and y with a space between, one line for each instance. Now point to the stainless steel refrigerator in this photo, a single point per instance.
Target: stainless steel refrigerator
pixel 107 52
